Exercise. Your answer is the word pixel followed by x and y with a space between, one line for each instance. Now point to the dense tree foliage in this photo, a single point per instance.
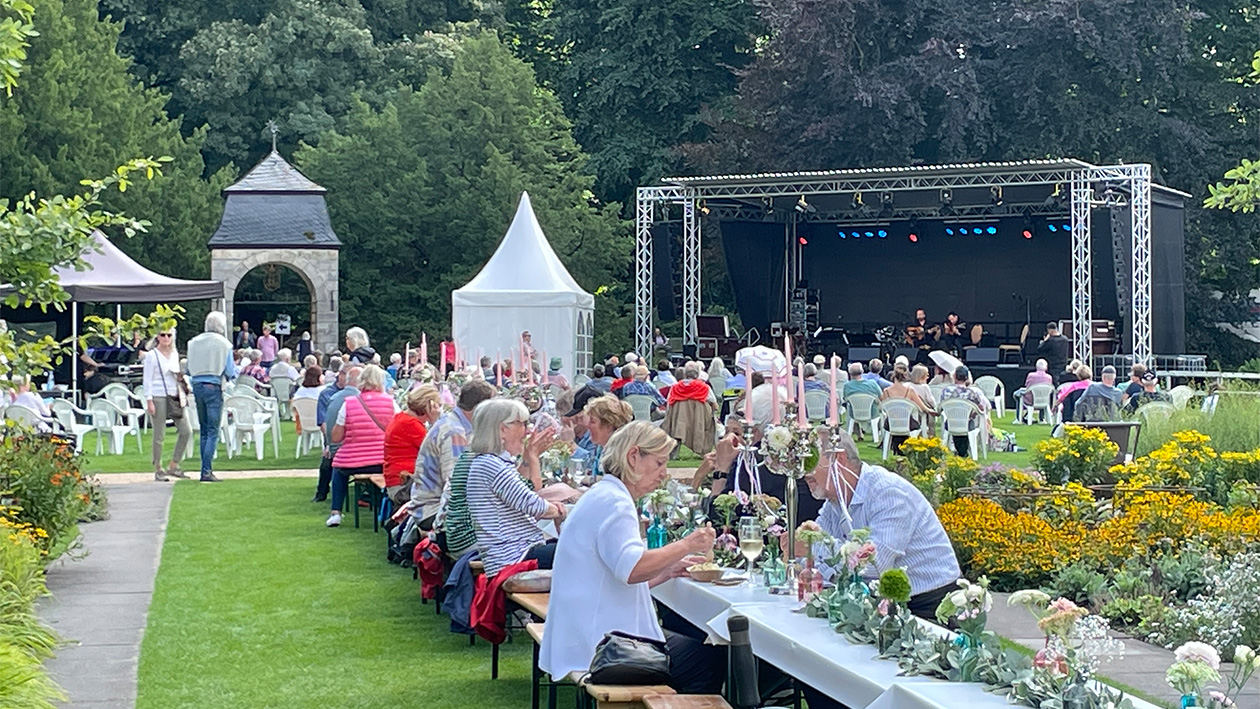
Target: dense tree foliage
pixel 430 184
pixel 78 112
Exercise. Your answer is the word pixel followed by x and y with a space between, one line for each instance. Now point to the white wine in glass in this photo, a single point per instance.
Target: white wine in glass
pixel 751 543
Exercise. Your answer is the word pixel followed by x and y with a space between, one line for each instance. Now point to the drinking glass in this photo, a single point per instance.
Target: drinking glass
pixel 751 543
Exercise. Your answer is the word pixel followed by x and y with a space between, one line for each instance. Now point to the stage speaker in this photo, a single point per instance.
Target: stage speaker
pixel 982 355
pixel 663 272
pixel 910 353
pixel 863 354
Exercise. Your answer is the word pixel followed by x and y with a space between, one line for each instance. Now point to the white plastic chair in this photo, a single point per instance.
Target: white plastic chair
pixel 250 423
pixel 995 391
pixel 937 390
pixel 863 412
pixel 1043 401
pixel 1181 395
pixel 660 384
pixel 282 392
pixel 68 415
pixel 718 384
pixel 816 405
pixel 310 438
pixel 1153 411
pixel 642 405
pixel 23 415
pixel 107 421
pixel 119 396
pixel 956 414
pixel 898 414
pixel 580 381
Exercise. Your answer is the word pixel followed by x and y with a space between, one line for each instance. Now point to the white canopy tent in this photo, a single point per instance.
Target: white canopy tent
pixel 524 286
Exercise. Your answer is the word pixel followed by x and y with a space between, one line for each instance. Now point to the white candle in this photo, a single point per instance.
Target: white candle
pixel 800 404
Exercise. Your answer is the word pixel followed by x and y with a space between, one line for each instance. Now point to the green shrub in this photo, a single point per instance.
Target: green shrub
pixel 41 483
pixel 23 682
pixel 1079 583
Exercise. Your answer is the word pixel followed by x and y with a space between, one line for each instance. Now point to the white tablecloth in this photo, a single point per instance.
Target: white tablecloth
pixel 809 650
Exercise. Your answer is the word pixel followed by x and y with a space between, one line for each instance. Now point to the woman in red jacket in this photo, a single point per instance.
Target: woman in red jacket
pixel 403 437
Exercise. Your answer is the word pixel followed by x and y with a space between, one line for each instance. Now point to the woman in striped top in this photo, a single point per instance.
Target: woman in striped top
pixel 503 508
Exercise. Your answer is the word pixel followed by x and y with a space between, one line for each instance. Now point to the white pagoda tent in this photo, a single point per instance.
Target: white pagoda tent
pixel 524 286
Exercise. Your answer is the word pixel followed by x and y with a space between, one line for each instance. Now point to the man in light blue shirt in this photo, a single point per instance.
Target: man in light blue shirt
pixel 876 367
pixel 209 364
pixel 902 523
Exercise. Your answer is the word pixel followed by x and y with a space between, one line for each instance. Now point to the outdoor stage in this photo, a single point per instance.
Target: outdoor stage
pixel 1004 245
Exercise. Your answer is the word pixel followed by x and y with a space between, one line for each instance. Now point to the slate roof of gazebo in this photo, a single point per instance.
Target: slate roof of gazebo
pixel 275 205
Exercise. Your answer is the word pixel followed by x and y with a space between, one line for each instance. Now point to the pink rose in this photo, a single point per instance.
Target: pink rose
pixel 1051 661
pixel 883 607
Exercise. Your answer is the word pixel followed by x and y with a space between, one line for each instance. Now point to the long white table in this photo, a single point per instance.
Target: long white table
pixel 809 650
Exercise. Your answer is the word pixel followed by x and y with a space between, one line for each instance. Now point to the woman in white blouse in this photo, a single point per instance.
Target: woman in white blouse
pixel 602 570
pixel 166 400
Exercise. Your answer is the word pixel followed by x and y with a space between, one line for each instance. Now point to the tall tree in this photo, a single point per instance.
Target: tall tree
pixel 634 76
pixel 422 190
pixel 78 112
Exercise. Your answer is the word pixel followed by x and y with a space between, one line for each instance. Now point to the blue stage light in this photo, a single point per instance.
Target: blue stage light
pixel 883 233
pixel 869 235
pixel 949 231
pixel 991 230
pixel 1052 228
pixel 842 234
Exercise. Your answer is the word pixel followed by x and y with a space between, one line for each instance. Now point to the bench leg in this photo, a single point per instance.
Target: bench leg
pixel 535 677
pixel 472 639
pixel 354 502
pixel 494 661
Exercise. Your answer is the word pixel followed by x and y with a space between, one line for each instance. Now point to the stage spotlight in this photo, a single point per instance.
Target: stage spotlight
pixel 802 240
pixel 767 205
pixel 995 196
pixel 704 208
pixel 1027 233
pixel 883 233
pixel 842 234
pixel 949 231
pixel 804 207
pixel 886 205
pixel 855 234
pixel 869 234
pixel 914 238
pixel 963 230
pixel 914 230
pixel 1052 228
pixel 947 203
pixel 991 230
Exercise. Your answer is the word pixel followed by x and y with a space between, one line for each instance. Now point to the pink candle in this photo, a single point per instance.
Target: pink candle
pixel 748 395
pixel 774 398
pixel 787 354
pixel 529 367
pixel 834 418
pixel 442 361
pixel 543 356
pixel 424 349
pixel 800 379
pixel 498 368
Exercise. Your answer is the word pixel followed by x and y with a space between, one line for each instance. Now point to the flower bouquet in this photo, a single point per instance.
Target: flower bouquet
pixel 1076 644
pixel 809 582
pixel 1199 663
pixel 969 608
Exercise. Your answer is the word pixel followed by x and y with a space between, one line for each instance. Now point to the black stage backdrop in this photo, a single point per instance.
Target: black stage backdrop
pixel 985 278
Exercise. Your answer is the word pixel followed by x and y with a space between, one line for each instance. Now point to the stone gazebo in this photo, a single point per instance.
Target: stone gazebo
pixel 275 215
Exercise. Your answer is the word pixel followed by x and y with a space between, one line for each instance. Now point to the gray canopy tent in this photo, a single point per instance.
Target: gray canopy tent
pixel 112 276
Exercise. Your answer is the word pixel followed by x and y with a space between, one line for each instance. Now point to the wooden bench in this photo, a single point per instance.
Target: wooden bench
pixel 607 696
pixel 533 603
pixel 374 485
pixel 685 701
pixel 595 696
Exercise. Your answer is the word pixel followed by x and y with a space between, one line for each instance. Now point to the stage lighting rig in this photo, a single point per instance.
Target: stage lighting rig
pixel 803 207
pixel 1055 200
pixel 947 203
pixel 886 210
pixel 995 196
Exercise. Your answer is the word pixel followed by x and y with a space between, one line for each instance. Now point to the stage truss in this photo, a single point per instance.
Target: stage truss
pixel 1084 181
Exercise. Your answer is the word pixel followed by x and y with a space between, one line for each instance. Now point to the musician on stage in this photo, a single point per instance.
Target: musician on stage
pixel 951 337
pixel 919 333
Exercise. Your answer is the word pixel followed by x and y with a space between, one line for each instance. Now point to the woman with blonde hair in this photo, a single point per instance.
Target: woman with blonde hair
pixel 166 398
pixel 360 429
pixel 603 571
pixel 604 415
pixel 403 437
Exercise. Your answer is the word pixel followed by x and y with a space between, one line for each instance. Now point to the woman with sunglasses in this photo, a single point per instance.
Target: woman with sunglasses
pixel 504 507
pixel 163 388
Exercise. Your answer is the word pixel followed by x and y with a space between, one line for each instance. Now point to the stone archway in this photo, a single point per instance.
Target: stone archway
pixel 318 268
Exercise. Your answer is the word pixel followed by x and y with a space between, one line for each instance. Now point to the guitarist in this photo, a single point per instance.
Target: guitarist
pixel 919 333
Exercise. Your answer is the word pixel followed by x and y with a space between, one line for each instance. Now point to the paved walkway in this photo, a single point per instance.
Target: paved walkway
pixel 1142 667
pixel 130 478
pixel 100 604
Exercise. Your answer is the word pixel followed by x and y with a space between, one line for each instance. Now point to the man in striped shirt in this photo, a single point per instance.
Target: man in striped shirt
pixel 903 525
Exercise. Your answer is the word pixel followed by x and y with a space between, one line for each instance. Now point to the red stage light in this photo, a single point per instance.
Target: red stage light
pixel 802 240
pixel 914 238
pixel 1028 234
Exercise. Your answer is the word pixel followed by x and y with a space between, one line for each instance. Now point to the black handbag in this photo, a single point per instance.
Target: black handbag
pixel 621 658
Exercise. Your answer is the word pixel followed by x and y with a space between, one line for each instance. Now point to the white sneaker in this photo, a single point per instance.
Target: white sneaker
pixel 334 520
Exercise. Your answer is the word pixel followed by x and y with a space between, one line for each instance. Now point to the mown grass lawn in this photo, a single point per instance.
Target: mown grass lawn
pixel 257 604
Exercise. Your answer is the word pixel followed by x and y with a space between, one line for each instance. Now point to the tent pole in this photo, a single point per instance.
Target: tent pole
pixel 74 352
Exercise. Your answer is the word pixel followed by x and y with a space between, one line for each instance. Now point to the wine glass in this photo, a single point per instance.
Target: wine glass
pixel 751 543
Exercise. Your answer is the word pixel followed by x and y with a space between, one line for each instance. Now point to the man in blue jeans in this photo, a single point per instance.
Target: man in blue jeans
pixel 209 363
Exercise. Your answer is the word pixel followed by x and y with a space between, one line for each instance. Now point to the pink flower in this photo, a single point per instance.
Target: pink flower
pixel 1219 697
pixel 863 556
pixel 727 542
pixel 776 530
pixel 1051 661
pixel 1062 605
pixel 883 607
pixel 742 497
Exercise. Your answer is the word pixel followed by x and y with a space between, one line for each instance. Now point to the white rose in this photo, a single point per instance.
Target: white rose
pixel 1028 597
pixel 779 437
pixel 959 599
pixel 1244 655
